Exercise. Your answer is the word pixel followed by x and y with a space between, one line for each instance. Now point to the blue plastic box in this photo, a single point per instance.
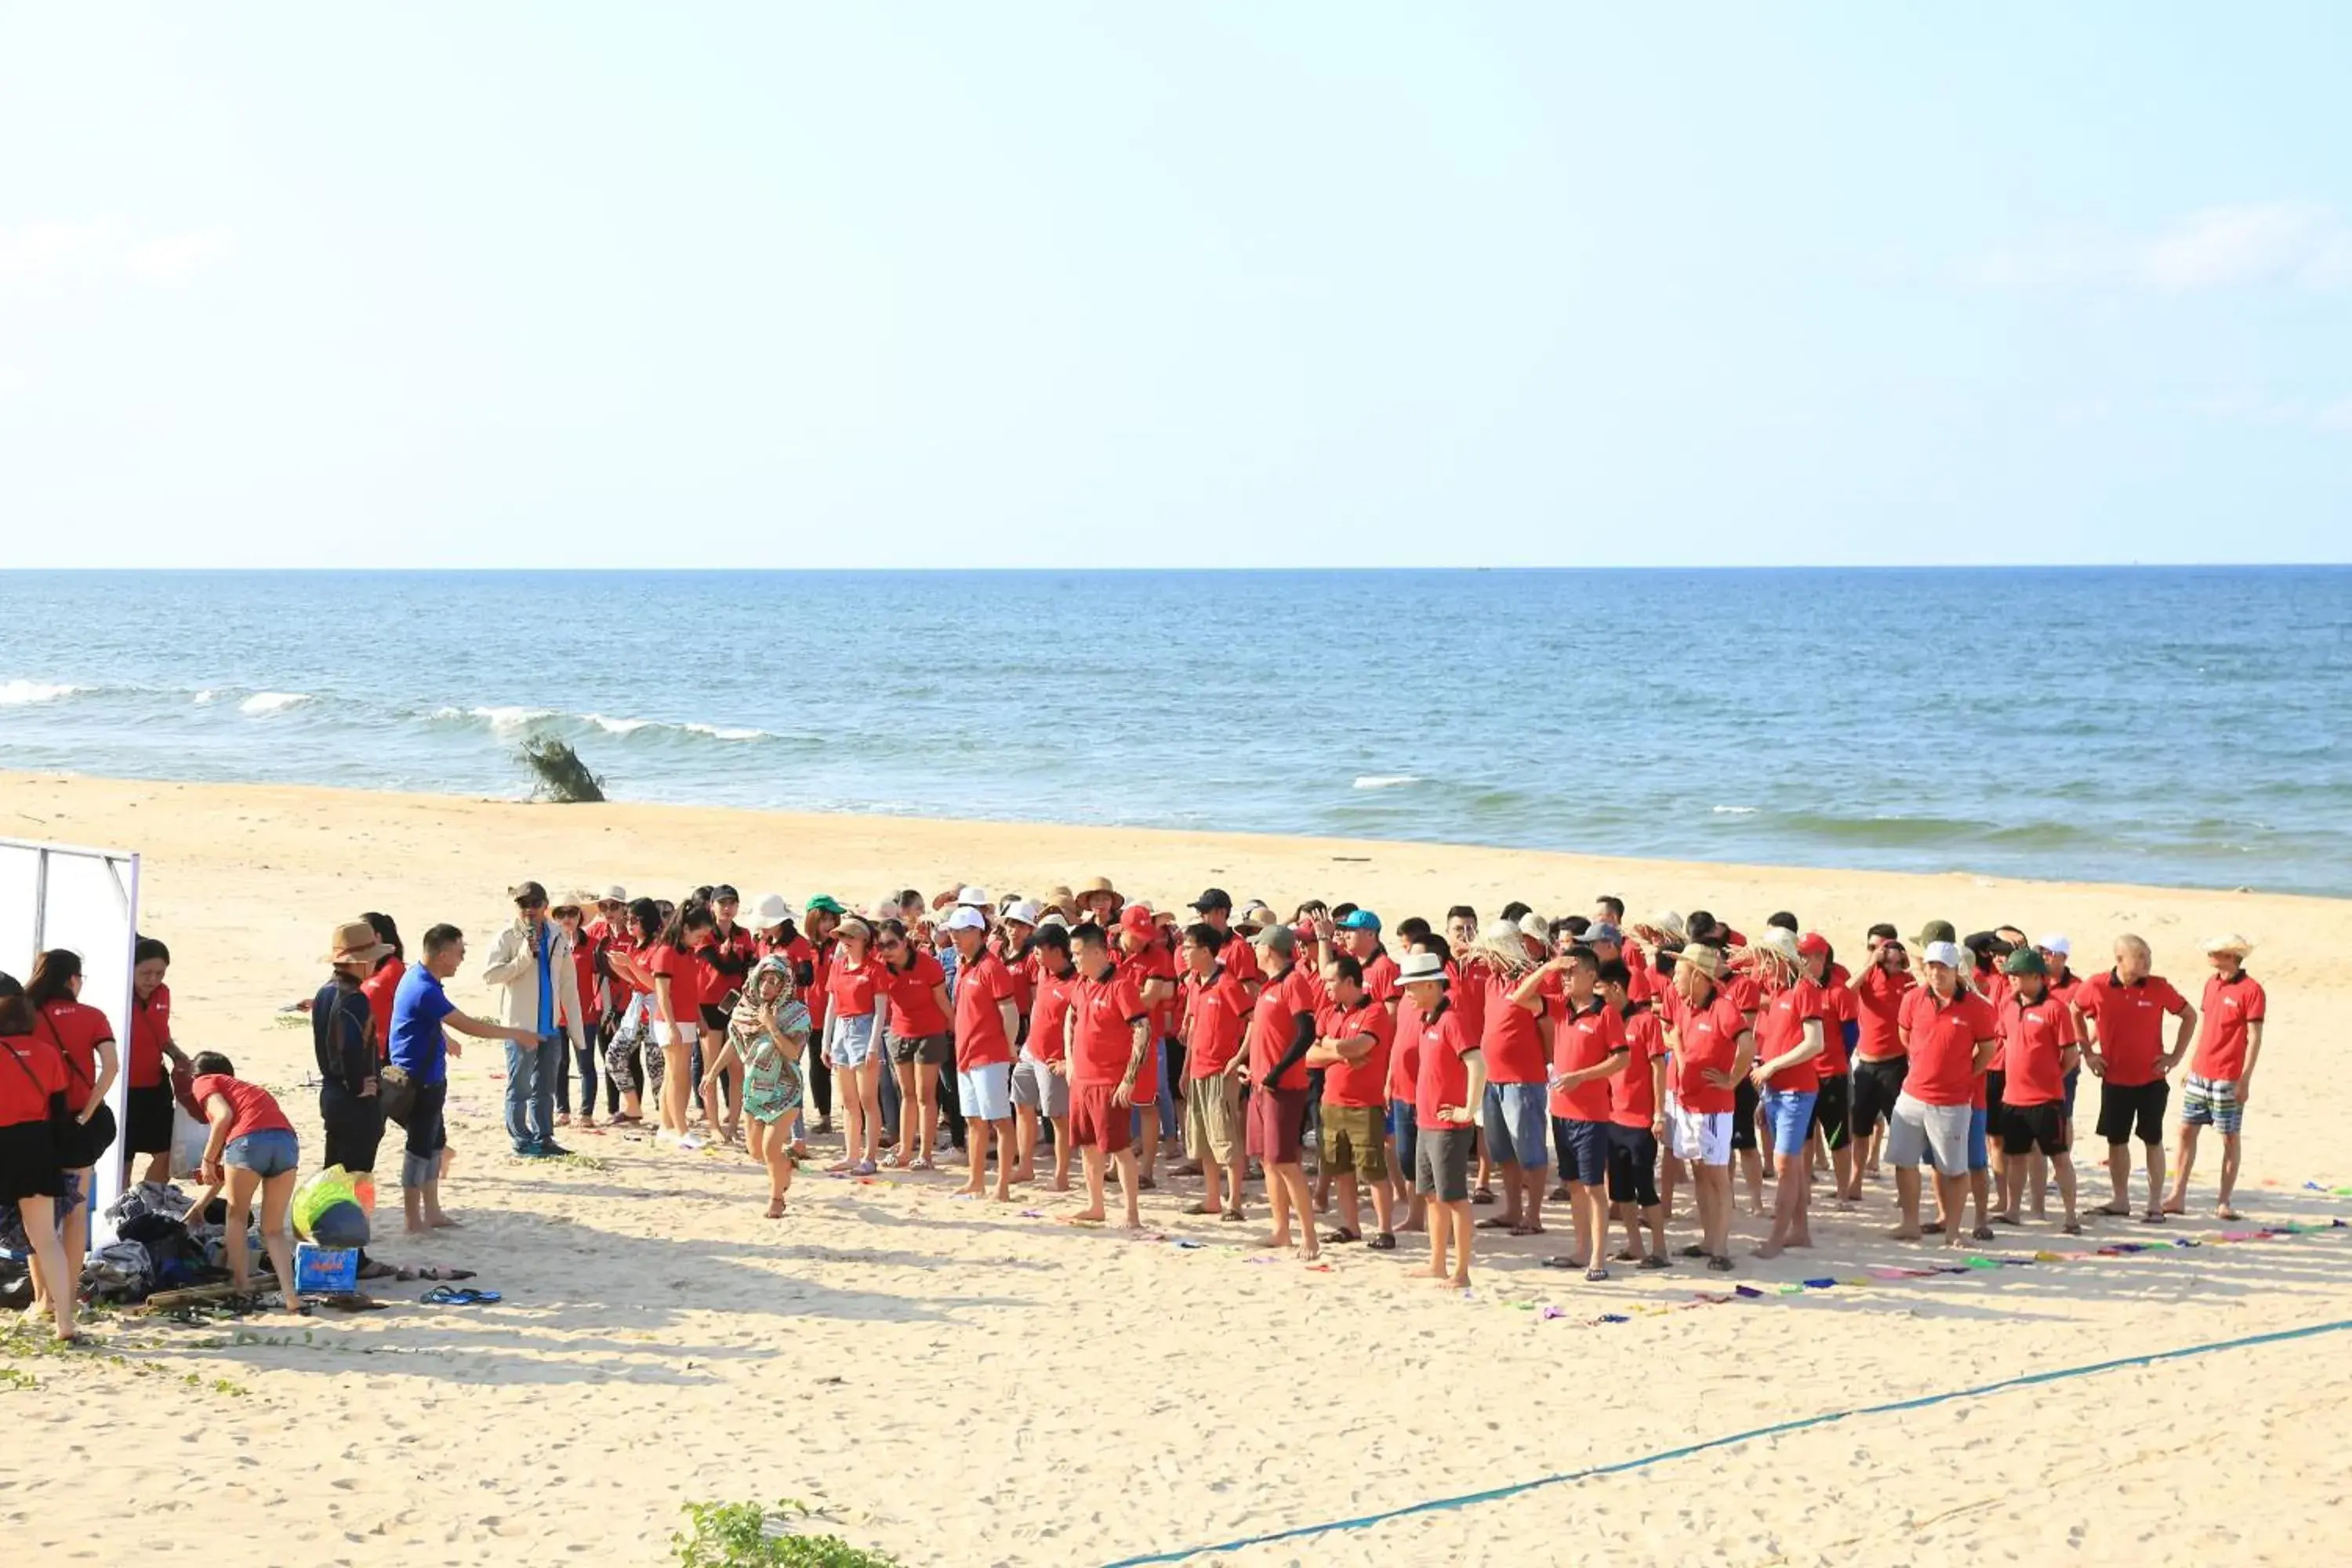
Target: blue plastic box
pixel 325 1270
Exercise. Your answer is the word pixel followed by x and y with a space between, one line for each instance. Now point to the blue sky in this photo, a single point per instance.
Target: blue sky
pixel 1028 284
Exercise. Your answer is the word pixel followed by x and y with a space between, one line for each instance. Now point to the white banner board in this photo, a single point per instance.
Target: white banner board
pixel 87 900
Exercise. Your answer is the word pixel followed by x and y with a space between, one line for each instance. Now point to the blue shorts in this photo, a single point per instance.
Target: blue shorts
pixel 985 1093
pixel 272 1152
pixel 1584 1150
pixel 1977 1160
pixel 1789 1112
pixel 849 1041
pixel 1517 1117
pixel 1404 1125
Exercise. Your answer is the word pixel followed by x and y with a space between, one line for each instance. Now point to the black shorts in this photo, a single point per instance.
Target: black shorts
pixel 91 1139
pixel 1832 1112
pixel 1744 1101
pixel 716 1017
pixel 147 1120
pixel 2121 1105
pixel 1633 1166
pixel 2025 1128
pixel 29 1165
pixel 1441 1170
pixel 1876 1087
pixel 1995 1081
pixel 936 1049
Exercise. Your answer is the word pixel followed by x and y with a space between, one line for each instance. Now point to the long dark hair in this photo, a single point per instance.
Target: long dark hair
pixel 692 916
pixel 54 974
pixel 646 918
pixel 389 934
pixel 15 1013
pixel 898 930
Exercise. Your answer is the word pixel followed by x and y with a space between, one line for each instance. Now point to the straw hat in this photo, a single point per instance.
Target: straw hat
pixel 355 942
pixel 1708 960
pixel 1780 942
pixel 2231 943
pixel 1096 885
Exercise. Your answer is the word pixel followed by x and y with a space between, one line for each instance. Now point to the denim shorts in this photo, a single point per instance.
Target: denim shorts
pixel 1519 1125
pixel 1790 1113
pixel 1979 1119
pixel 849 1041
pixel 272 1152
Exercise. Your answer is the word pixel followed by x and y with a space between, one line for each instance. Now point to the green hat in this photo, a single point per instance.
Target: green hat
pixel 1937 931
pixel 2025 961
pixel 826 903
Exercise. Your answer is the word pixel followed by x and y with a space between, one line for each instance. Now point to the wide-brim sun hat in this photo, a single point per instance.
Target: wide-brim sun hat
pixel 1419 967
pixel 1023 913
pixel 771 911
pixel 2230 942
pixel 355 942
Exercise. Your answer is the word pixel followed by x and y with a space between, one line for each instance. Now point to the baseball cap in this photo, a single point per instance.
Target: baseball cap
pixel 1212 899
pixel 2055 943
pixel 966 918
pixel 1136 919
pixel 1601 930
pixel 2025 961
pixel 1935 932
pixel 1947 953
pixel 1814 942
pixel 616 894
pixel 1278 937
pixel 725 893
pixel 1360 920
pixel 527 895
pixel 1022 913
pixel 826 903
pixel 972 898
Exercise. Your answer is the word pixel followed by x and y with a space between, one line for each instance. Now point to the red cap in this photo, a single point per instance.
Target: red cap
pixel 1136 919
pixel 1814 942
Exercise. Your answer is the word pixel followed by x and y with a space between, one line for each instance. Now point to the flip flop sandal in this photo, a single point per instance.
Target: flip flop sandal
pixel 2072 1227
pixel 1694 1251
pixel 1497 1222
pixel 1198 1208
pixel 1482 1198
pixel 1526 1230
pixel 1718 1264
pixel 1655 1260
pixel 2003 1219
pixel 442 1296
pixel 1933 1227
pixel 1562 1263
pixel 1343 1235
pixel 1233 1216
pixel 1594 1276
pixel 2153 1216
pixel 1982 1232
pixel 1384 1242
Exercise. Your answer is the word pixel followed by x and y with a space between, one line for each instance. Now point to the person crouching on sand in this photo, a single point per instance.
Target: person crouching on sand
pixel 252 1147
pixel 767 1034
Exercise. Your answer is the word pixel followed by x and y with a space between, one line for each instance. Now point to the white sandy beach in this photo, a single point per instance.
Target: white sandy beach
pixel 959 1383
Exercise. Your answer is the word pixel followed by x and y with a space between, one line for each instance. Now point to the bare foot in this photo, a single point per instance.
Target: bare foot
pixel 1060 1183
pixel 1904 1232
pixel 1461 1282
pixel 1768 1249
pixel 1003 1194
pixel 1427 1271
pixel 1090 1217
pixel 2120 1209
pixel 2226 1212
pixel 776 1209
pixel 443 1222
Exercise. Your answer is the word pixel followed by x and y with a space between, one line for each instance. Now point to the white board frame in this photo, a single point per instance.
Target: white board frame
pixel 123 866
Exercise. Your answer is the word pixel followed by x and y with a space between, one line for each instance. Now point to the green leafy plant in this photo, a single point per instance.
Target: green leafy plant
pixel 746 1535
pixel 563 776
pixel 17 1377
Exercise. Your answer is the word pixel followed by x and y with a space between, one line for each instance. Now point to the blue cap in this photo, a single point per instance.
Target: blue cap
pixel 1603 932
pixel 1360 920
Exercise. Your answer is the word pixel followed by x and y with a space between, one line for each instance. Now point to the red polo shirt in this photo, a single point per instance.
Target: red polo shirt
pixel 1943 1041
pixel 1705 1037
pixel 1364 1083
pixel 2033 1040
pixel 1049 1015
pixel 2130 1021
pixel 1215 1010
pixel 1780 1026
pixel 1586 1038
pixel 979 1037
pixel 1443 1077
pixel 2230 1007
pixel 1633 1096
pixel 1107 1009
pixel 1511 1039
pixel 1272 1024
pixel 1878 1013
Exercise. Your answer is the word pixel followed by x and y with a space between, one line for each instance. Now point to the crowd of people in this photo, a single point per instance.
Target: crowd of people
pixel 1509 1063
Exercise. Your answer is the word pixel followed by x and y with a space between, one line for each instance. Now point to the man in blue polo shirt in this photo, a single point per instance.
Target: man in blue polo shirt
pixel 422 1014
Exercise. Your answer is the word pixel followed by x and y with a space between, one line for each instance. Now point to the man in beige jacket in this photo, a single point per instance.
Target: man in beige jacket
pixel 532 962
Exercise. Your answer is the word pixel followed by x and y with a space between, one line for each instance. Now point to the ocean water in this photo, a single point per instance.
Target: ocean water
pixel 2175 726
